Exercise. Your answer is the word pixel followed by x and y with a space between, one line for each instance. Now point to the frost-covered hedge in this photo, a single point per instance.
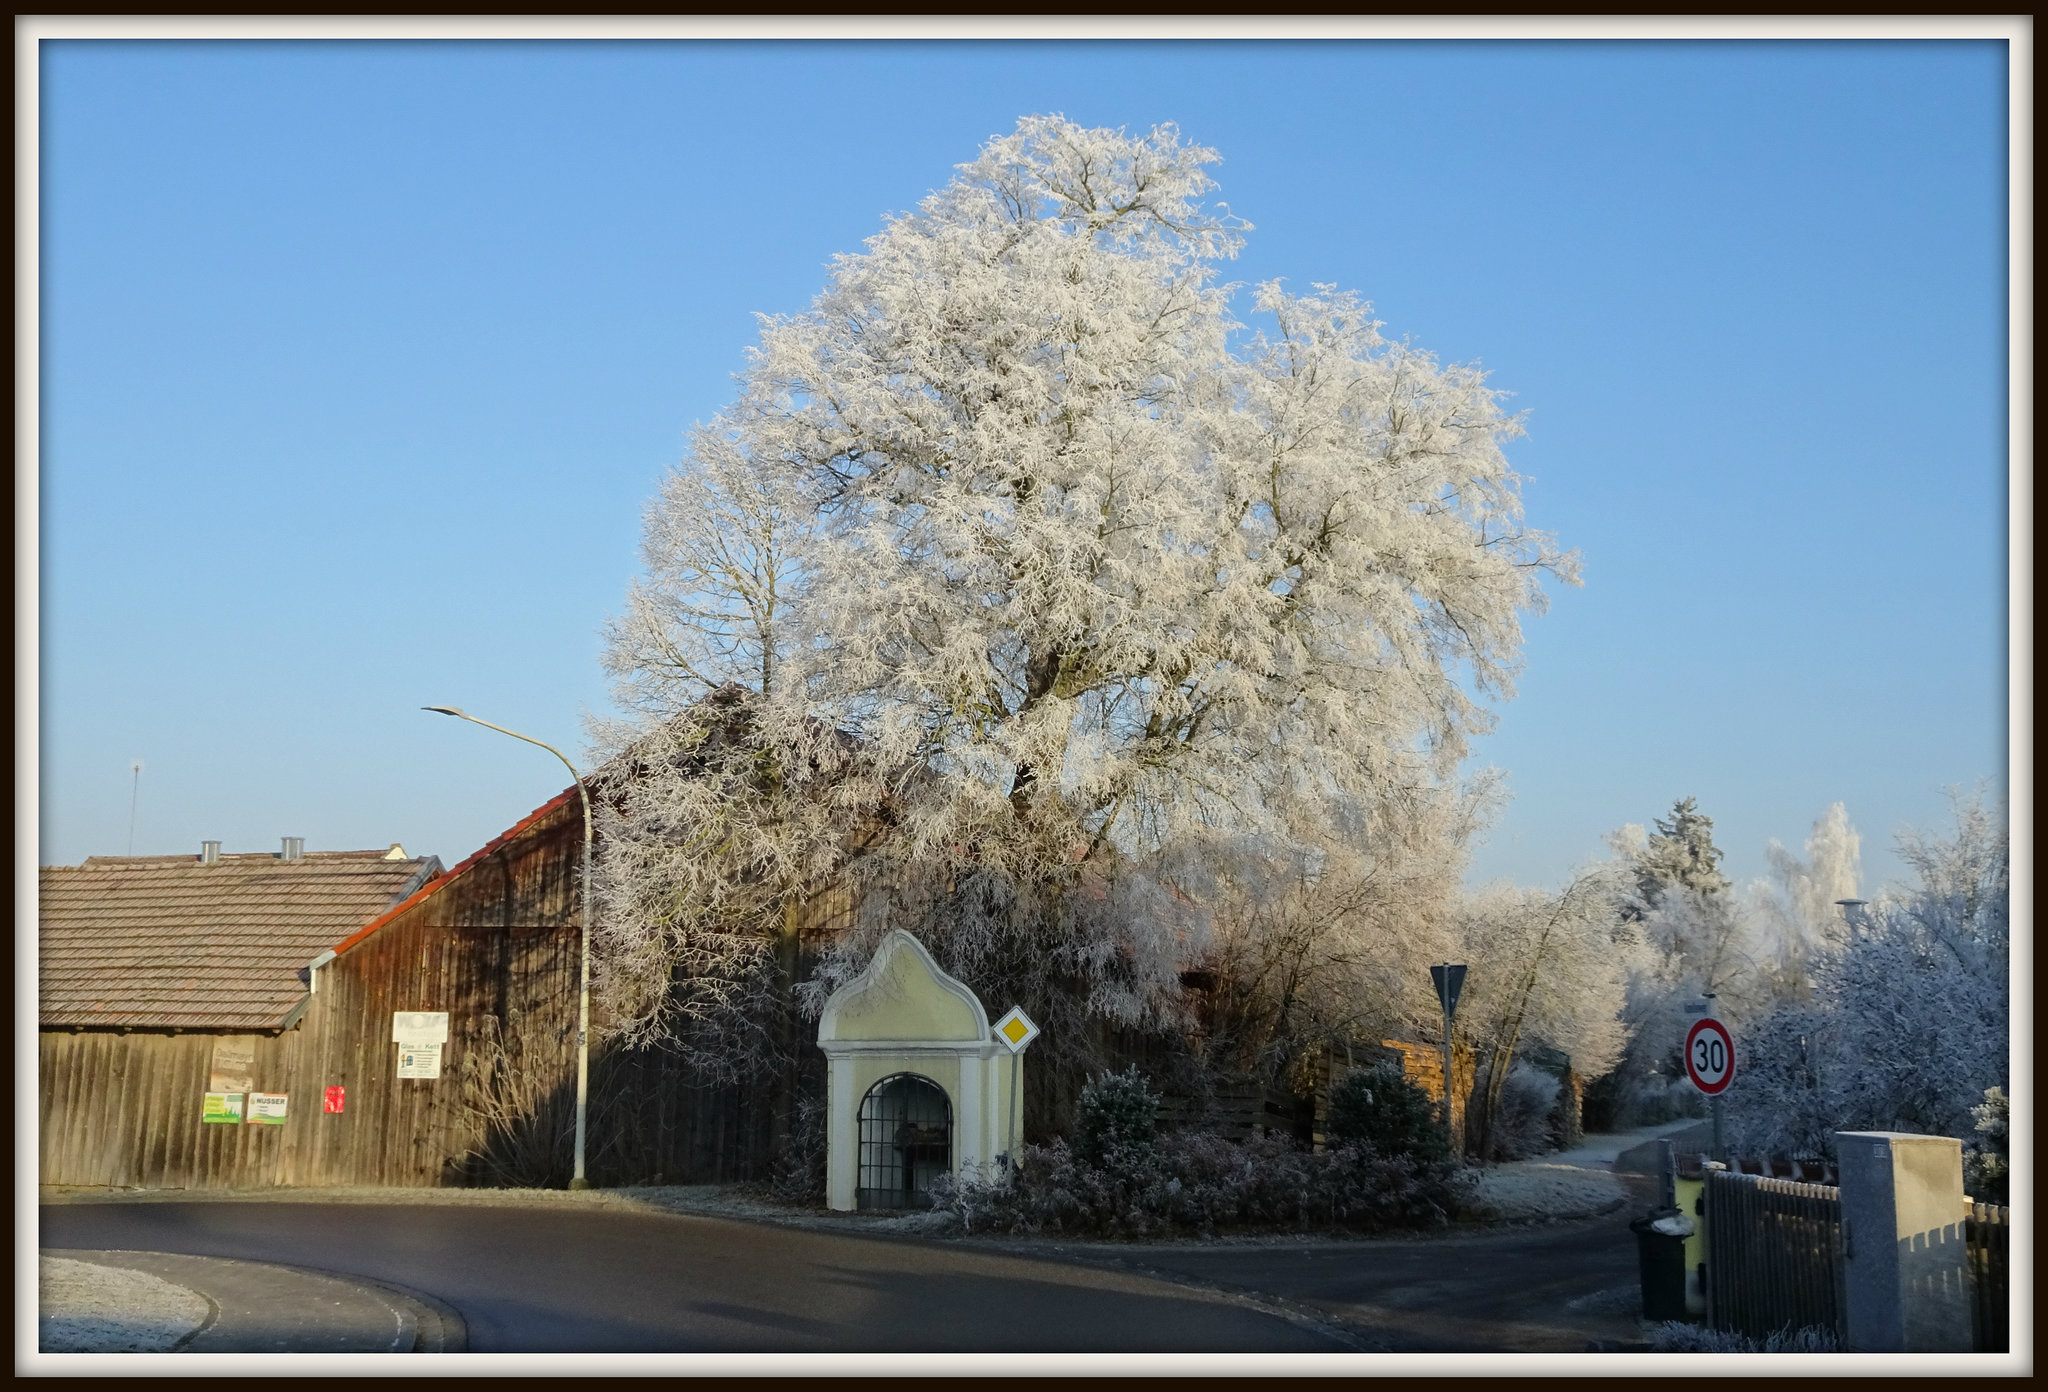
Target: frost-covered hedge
pixel 1122 1178
pixel 1204 1184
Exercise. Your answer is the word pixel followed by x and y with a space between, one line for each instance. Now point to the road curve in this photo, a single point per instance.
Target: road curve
pixel 545 1280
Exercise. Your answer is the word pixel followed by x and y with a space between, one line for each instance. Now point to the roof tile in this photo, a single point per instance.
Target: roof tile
pixel 167 941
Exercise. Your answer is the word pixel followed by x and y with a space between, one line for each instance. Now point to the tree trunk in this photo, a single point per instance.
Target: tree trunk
pixel 1504 1048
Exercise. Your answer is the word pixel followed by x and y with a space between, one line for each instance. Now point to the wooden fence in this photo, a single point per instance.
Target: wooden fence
pixel 1775 1258
pixel 1774 1254
pixel 1986 1232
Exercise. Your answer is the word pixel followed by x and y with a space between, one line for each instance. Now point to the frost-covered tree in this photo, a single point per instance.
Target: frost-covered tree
pixel 1799 907
pixel 719 841
pixel 1546 969
pixel 1104 559
pixel 1696 938
pixel 725 545
pixel 1680 855
pixel 1082 565
pixel 1702 936
pixel 1326 940
pixel 1908 1024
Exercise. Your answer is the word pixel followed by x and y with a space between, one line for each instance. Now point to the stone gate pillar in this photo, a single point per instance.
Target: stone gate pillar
pixel 1905 1270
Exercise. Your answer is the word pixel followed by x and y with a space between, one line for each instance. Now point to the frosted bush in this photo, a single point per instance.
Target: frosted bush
pixel 1986 1170
pixel 1203 1183
pixel 1522 1122
pixel 1381 1107
pixel 1674 1336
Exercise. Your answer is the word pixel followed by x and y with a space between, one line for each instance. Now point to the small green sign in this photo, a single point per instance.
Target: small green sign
pixel 223 1107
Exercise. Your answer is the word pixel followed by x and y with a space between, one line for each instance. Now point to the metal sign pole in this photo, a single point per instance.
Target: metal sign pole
pixel 1450 980
pixel 1016 1109
pixel 1014 1032
pixel 1714 1102
pixel 1450 1088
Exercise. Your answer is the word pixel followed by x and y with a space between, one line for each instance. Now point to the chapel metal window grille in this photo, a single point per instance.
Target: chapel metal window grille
pixel 906 1142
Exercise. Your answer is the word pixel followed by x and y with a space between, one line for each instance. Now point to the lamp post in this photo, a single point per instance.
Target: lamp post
pixel 579 1180
pixel 1850 916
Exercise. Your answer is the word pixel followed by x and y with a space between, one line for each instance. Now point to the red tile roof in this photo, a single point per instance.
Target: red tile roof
pixel 156 942
pixel 441 882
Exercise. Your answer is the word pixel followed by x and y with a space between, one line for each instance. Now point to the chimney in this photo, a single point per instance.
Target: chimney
pixel 209 852
pixel 294 848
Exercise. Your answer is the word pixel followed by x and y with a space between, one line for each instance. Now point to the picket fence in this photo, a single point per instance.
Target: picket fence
pixel 1774 1254
pixel 1986 1229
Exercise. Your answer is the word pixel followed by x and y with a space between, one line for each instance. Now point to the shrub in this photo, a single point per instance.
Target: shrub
pixel 1381 1107
pixel 1986 1172
pixel 1655 1099
pixel 1522 1122
pixel 1116 1121
pixel 1603 1103
pixel 1674 1336
pixel 1198 1182
pixel 799 1171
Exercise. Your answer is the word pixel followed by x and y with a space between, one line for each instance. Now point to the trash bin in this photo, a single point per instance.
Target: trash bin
pixel 1660 1248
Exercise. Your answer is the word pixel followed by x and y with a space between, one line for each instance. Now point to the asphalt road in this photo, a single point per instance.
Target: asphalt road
pixel 540 1280
pixel 1547 1289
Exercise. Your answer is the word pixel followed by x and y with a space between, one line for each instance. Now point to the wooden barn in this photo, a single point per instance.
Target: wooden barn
pixel 495 944
pixel 166 978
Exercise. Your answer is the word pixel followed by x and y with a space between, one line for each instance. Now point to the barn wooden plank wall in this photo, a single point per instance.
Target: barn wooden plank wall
pixel 124 1110
pixel 497 948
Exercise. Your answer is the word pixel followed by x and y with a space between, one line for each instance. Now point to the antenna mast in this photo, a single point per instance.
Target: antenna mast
pixel 134 767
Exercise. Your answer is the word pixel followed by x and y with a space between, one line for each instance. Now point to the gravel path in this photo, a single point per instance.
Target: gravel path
pixel 104 1309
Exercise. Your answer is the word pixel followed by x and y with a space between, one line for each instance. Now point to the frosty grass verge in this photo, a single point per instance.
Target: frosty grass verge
pixel 1532 1190
pixel 105 1309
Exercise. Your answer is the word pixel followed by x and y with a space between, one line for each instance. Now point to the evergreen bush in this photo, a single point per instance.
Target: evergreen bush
pixel 1381 1107
pixel 1116 1122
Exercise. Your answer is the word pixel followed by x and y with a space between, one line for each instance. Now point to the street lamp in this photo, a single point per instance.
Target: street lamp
pixel 578 1181
pixel 1849 914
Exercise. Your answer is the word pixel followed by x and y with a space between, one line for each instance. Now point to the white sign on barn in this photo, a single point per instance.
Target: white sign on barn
pixel 420 1036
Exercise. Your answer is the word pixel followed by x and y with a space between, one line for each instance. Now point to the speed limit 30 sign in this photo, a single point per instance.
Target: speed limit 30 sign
pixel 1709 1056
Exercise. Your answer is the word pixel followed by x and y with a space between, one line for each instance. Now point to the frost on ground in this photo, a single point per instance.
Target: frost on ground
pixel 106 1309
pixel 1533 1189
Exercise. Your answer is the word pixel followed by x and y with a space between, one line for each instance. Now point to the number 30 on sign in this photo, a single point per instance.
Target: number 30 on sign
pixel 1709 1056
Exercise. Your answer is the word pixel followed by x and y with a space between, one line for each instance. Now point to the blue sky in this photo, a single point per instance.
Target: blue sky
pixel 359 362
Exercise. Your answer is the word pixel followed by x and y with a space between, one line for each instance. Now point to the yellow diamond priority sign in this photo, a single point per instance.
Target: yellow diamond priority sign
pixel 1015 1030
